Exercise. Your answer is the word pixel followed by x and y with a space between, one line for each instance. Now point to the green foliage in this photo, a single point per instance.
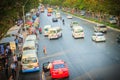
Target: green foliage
pixel 12 9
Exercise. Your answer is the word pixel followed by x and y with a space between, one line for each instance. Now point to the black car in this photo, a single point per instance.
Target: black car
pixel 118 38
pixel 54 19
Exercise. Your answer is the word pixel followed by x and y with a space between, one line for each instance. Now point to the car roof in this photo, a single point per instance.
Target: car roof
pixel 58 62
pixel 47 26
pixel 31 37
pixel 74 21
pixel 29 53
pixel 98 33
pixel 100 25
pixel 77 27
pixel 28 43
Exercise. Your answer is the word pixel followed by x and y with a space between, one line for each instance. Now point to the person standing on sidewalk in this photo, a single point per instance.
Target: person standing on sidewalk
pixel 15 60
pixel 13 70
pixel 6 69
pixel 16 41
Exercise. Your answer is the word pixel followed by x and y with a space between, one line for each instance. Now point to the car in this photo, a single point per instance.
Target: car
pixel 100 28
pixel 32 38
pixel 55 32
pixel 46 29
pixel 118 38
pixel 78 32
pixel 54 19
pixel 29 61
pixel 69 16
pixel 74 23
pixel 112 21
pixel 58 69
pixel 58 15
pixel 48 14
pixel 98 36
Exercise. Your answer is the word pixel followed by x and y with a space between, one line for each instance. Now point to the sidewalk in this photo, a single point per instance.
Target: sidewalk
pixel 19 62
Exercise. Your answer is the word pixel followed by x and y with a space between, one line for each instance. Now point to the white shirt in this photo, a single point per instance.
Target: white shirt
pixel 12 66
pixel 14 58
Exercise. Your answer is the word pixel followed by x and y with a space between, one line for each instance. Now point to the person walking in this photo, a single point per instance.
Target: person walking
pixel 15 60
pixel 13 70
pixel 16 41
pixel 40 30
pixel 44 50
pixel 63 21
pixel 6 69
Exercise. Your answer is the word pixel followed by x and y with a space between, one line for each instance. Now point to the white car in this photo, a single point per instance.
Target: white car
pixel 100 28
pixel 77 32
pixel 69 16
pixel 55 33
pixel 98 36
pixel 46 29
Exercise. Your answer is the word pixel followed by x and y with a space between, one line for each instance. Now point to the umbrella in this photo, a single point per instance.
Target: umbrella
pixel 34 17
pixel 29 23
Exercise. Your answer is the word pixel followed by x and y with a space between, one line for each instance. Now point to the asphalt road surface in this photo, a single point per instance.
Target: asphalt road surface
pixel 86 59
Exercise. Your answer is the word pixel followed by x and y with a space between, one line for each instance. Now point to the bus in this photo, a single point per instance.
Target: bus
pixel 29 61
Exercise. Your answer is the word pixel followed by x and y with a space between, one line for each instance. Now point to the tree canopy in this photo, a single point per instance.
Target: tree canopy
pixel 11 10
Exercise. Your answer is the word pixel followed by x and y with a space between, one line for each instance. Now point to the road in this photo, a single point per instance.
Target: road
pixel 86 59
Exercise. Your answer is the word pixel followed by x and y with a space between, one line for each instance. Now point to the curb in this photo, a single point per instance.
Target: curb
pixel 92 21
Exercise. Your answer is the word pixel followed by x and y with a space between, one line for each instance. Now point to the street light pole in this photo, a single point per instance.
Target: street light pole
pixel 23 16
pixel 23 9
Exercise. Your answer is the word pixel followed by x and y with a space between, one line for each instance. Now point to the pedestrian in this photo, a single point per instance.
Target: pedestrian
pixel 15 60
pixel 63 21
pixel 21 38
pixel 6 69
pixel 40 30
pixel 16 41
pixel 13 70
pixel 44 50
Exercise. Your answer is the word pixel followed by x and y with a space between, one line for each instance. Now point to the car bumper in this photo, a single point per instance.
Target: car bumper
pixel 59 76
pixel 30 70
pixel 100 40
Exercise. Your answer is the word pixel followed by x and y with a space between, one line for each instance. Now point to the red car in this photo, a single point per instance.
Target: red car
pixel 48 14
pixel 59 69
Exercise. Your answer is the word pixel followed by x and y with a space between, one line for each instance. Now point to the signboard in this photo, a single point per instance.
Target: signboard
pixel 12 45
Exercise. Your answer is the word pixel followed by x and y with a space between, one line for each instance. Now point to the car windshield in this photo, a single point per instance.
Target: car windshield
pixel 52 32
pixel 57 66
pixel 99 34
pixel 46 29
pixel 29 60
pixel 78 31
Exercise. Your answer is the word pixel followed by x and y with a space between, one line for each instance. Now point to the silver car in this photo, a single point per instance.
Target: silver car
pixel 98 36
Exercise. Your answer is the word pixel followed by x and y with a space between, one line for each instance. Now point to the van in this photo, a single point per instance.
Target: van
pixel 55 32
pixel 32 38
pixel 58 15
pixel 45 30
pixel 29 61
pixel 77 32
pixel 100 28
pixel 29 45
